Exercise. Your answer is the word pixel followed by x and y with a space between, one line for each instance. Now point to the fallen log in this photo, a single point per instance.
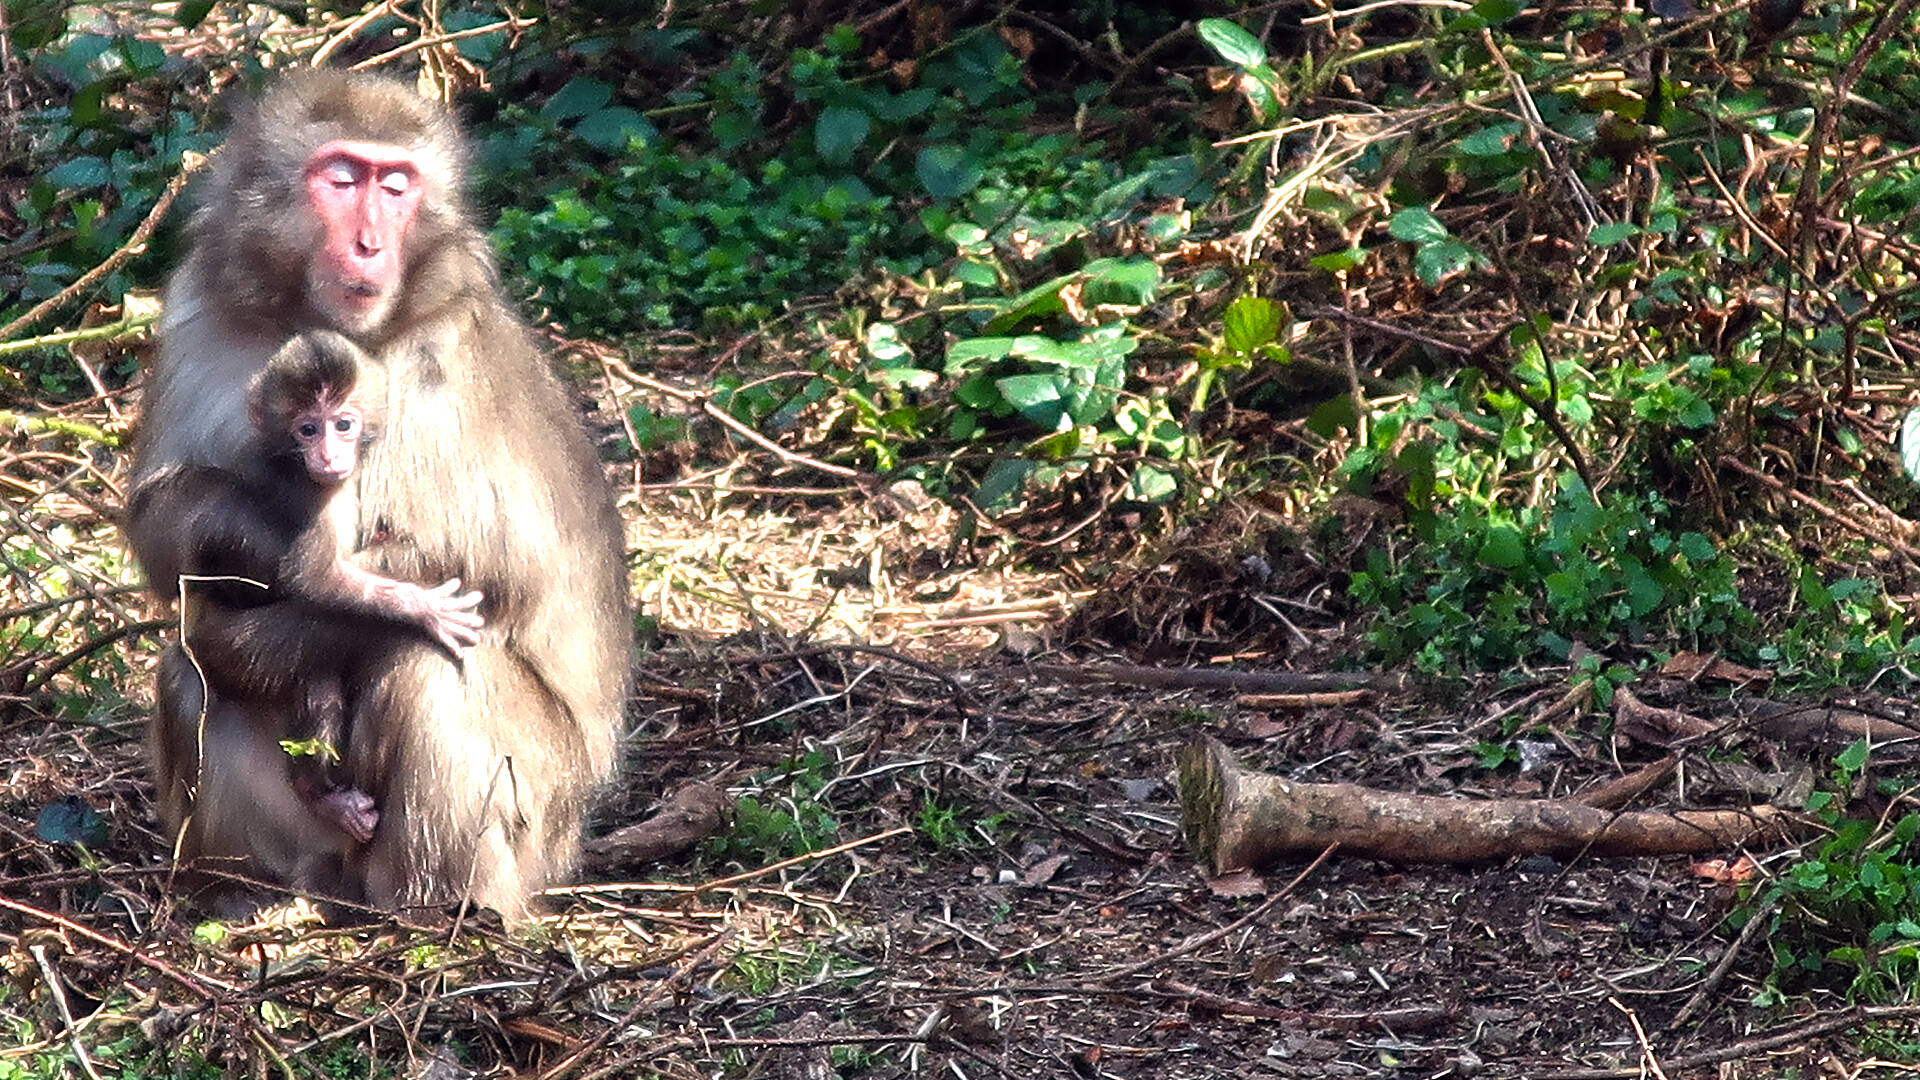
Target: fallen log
pixel 1236 818
pixel 689 816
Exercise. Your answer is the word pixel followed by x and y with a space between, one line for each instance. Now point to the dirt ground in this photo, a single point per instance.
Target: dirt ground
pixel 1007 891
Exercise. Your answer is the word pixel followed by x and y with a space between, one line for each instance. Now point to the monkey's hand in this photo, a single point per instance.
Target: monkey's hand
pixel 350 810
pixel 444 612
pixel 449 616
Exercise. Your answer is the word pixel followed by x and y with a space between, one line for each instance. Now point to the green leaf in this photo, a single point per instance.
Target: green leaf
pixel 1261 93
pixel 143 57
pixel 1066 354
pixel 884 344
pixel 1416 224
pixel 1232 43
pixel 1031 306
pixel 1002 483
pixel 976 273
pixel 71 821
pixel 576 99
pixel 1251 321
pixel 978 392
pixel 1332 415
pixel 1813 592
pixel 1612 233
pixel 1150 485
pixel 189 14
pixel 1491 141
pixel 1037 397
pixel 947 171
pixel 610 130
pixel 1644 593
pixel 964 355
pixel 1335 262
pixel 1854 757
pixel 80 172
pixel 1497 11
pixel 1503 549
pixel 965 234
pixel 840 131
pixel 1434 263
pixel 1122 281
pixel 1059 446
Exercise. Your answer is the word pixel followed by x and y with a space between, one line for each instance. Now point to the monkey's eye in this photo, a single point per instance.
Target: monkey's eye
pixel 307 430
pixel 345 425
pixel 396 182
pixel 340 174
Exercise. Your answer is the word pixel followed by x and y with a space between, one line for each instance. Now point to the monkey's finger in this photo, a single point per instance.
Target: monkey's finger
pixel 459 627
pixel 455 643
pixel 446 591
pixel 471 619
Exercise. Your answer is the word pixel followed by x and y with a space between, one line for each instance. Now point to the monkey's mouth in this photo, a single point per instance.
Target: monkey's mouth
pixel 361 290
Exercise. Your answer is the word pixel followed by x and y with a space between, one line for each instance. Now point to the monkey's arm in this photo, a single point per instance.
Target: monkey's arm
pixel 314 571
pixel 271 651
pixel 197 520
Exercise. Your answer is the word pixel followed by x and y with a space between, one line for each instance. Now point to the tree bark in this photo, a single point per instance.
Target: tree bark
pixel 1235 819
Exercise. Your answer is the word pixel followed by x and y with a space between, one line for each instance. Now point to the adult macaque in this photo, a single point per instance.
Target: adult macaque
pixel 335 206
pixel 313 406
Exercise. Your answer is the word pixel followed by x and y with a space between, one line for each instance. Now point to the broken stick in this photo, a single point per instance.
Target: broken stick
pixel 1236 819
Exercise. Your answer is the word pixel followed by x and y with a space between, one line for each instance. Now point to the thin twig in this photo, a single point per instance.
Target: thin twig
pixel 198 985
pixel 512 24
pixel 1194 944
pixel 797 860
pixel 770 446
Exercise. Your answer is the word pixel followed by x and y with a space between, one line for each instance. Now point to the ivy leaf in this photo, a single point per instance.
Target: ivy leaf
pixel 1612 233
pixel 610 130
pixel 947 171
pixel 962 356
pixel 1232 43
pixel 1336 261
pixel 840 131
pixel 1251 321
pixel 1502 549
pixel 577 99
pixel 189 14
pixel 1854 757
pixel 1004 481
pixel 1417 225
pixel 1150 485
pixel 1434 263
pixel 80 172
pixel 1491 141
pixel 70 821
pixel 1122 281
pixel 1036 396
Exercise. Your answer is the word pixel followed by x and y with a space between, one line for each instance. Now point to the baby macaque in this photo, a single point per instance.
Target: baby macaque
pixel 315 405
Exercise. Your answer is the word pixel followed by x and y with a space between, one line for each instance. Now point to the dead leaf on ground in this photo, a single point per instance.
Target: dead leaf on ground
pixel 1237 884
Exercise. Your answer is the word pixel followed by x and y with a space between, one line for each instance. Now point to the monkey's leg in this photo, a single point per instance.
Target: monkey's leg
pixel 317 767
pixel 489 807
pixel 225 796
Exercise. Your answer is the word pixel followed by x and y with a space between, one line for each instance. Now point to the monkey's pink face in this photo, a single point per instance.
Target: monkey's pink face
pixel 365 196
pixel 328 437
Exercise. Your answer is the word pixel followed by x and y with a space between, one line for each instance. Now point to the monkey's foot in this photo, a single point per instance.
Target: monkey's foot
pixel 350 809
